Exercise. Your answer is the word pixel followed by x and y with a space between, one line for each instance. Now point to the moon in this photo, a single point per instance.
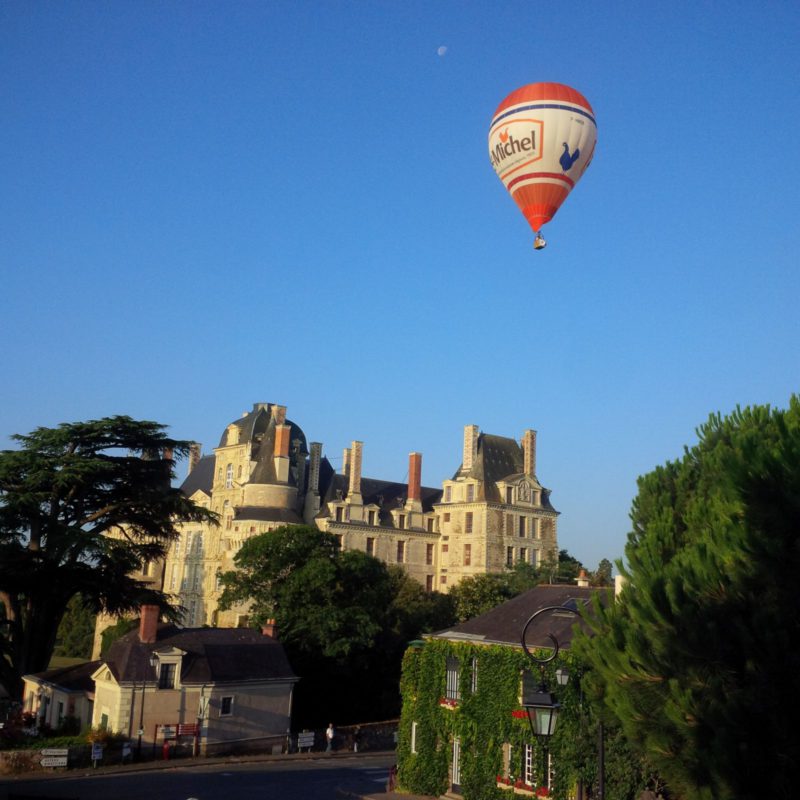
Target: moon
pixel 441 50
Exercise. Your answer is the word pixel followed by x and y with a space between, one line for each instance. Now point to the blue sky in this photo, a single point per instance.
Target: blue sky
pixel 210 204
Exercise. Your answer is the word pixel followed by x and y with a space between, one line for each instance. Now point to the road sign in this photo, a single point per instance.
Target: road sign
pixel 55 751
pixel 54 761
pixel 97 751
pixel 126 749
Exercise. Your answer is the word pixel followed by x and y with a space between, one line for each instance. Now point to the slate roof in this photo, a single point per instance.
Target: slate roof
pixel 213 655
pixel 201 477
pixel 264 514
pixel 499 458
pixel 75 678
pixel 504 623
pixel 387 495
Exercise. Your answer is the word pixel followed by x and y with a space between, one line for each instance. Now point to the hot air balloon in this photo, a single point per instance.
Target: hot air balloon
pixel 541 141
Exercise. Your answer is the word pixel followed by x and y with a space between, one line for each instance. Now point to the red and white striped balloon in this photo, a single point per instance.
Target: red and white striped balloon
pixel 541 141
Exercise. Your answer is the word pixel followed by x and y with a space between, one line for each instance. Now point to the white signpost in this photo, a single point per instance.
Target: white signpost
pixel 55 757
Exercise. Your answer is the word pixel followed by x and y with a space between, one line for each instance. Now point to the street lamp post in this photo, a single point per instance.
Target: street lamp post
pixel 542 706
pixel 153 663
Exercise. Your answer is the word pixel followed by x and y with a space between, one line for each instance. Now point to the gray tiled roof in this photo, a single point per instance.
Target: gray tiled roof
pixel 212 655
pixel 504 623
pixel 262 514
pixel 75 678
pixel 201 477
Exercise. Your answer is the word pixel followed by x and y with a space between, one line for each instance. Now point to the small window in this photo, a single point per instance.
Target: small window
pixel 239 471
pixel 229 476
pixel 226 706
pixel 401 552
pixel 166 676
pixel 429 524
pixel 401 520
pixel 453 691
pixel 509 556
pixel 527 766
pixel 429 554
pixel 429 583
pixel 522 526
pixel 447 516
pixel 370 546
pixel 509 524
pixel 468 522
pixel 467 555
pixel 339 513
pixel 470 492
pixel 448 494
pixel 509 495
pixel 443 579
pixel 445 548
pixel 371 517
pixel 523 555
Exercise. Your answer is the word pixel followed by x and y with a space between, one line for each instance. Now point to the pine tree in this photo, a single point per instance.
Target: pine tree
pixel 699 659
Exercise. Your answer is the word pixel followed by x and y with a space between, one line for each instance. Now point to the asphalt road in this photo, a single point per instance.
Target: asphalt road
pixel 310 779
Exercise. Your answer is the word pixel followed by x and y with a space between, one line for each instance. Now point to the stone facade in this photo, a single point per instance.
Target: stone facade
pixel 492 513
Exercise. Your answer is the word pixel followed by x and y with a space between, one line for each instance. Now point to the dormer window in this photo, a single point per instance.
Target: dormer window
pixel 470 492
pixel 448 494
pixel 166 676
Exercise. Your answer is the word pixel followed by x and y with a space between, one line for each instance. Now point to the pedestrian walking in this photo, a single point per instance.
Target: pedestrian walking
pixel 329 732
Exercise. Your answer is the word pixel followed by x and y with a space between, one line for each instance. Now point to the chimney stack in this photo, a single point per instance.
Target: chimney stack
pixel 269 628
pixel 529 453
pixel 470 446
pixel 354 487
pixel 415 477
pixel 148 623
pixel 195 450
pixel 346 461
pixel 281 452
pixel 278 414
pixel 313 467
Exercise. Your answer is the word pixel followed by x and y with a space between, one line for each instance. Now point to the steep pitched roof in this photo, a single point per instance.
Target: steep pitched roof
pixel 200 478
pixel 504 623
pixel 213 655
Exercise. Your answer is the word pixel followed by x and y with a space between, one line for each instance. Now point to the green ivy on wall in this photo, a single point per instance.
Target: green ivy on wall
pixel 484 723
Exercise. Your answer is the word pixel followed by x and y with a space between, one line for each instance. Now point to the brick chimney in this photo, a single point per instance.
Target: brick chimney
pixel 281 451
pixel 269 628
pixel 470 446
pixel 148 623
pixel 415 476
pixel 529 453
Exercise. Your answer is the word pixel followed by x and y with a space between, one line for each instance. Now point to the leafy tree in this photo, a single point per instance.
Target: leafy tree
pixel 699 657
pixel 477 594
pixel 602 576
pixel 344 618
pixel 76 633
pixel 82 506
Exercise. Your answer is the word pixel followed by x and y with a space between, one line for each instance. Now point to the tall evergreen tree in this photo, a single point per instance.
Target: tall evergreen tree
pixel 82 506
pixel 699 657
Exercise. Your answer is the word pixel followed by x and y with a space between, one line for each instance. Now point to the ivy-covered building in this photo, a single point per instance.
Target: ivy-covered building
pixel 464 731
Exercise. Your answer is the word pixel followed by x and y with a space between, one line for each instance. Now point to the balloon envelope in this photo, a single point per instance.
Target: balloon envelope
pixel 541 141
